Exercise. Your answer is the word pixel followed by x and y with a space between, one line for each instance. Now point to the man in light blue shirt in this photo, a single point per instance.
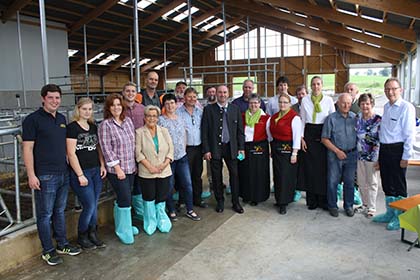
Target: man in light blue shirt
pixel 339 136
pixel 191 116
pixel 396 138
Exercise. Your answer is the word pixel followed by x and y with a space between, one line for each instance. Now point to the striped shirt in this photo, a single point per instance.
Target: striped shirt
pixel 117 144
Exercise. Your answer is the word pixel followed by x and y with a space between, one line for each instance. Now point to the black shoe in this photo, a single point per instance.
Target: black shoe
pixel 84 242
pixel 283 210
pixel 349 212
pixel 69 250
pixel 52 258
pixel 202 204
pixel 192 215
pixel 333 212
pixel 220 207
pixel 238 208
pixel 94 237
pixel 312 206
pixel 253 203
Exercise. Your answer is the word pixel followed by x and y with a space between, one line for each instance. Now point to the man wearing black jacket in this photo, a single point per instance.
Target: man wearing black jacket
pixel 222 136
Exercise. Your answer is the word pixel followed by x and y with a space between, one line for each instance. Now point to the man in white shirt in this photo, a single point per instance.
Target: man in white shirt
pixel 396 136
pixel 282 86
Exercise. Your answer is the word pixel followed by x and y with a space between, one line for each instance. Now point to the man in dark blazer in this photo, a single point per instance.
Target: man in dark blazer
pixel 222 137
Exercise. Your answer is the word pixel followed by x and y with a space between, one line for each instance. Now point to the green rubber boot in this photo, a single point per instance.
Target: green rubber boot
pixel 388 215
pixel 394 224
pixel 163 222
pixel 149 217
pixel 137 202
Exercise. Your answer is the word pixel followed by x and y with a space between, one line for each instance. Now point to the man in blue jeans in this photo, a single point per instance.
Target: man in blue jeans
pixel 339 136
pixel 44 152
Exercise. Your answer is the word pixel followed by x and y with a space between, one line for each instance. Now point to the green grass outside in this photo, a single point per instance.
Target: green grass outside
pixel 371 84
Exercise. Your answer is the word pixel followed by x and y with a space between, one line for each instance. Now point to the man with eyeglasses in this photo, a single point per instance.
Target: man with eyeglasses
pixel 396 136
pixel 191 115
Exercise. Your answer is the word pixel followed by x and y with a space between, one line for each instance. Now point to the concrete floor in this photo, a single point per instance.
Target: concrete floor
pixel 261 244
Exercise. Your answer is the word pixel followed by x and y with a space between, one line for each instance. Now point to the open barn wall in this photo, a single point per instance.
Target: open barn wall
pixel 323 60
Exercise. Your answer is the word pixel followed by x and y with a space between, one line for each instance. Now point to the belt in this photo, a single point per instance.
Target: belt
pixel 349 151
pixel 392 145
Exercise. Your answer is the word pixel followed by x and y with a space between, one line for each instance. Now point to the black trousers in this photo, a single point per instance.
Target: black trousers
pixel 392 175
pixel 217 176
pixel 155 188
pixel 195 160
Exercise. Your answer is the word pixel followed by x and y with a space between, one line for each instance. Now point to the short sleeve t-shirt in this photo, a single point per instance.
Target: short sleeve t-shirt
pixel 86 145
pixel 48 133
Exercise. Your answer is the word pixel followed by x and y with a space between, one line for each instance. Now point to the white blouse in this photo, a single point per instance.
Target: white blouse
pixel 296 132
pixel 307 108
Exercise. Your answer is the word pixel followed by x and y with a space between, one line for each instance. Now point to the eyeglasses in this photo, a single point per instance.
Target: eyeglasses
pixel 151 116
pixel 391 89
pixel 284 102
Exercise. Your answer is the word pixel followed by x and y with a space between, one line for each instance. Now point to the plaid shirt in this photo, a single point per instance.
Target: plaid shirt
pixel 117 144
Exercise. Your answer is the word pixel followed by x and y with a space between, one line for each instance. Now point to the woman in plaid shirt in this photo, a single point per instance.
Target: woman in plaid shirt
pixel 116 136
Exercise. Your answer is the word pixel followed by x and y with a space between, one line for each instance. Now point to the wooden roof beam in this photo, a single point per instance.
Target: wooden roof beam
pixel 247 8
pixel 407 8
pixel 13 8
pixel 331 14
pixel 150 19
pixel 92 15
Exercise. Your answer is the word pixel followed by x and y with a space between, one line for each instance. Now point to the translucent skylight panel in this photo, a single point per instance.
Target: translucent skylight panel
pixel 160 66
pixel 71 52
pixel 107 60
pixel 180 6
pixel 314 28
pixel 184 14
pixel 301 15
pixel 284 11
pixel 133 61
pixel 358 41
pixel 230 30
pixel 95 58
pixel 204 21
pixel 347 12
pixel 300 24
pixel 373 34
pixel 373 45
pixel 143 4
pixel 372 18
pixel 212 24
pixel 354 29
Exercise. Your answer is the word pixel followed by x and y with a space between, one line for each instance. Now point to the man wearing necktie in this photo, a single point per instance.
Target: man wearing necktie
pixel 222 137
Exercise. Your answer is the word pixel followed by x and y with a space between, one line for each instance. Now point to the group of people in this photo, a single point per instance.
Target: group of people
pixel 149 145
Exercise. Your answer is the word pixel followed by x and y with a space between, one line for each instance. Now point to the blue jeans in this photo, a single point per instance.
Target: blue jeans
pixel 50 205
pixel 341 171
pixel 122 188
pixel 180 173
pixel 88 196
